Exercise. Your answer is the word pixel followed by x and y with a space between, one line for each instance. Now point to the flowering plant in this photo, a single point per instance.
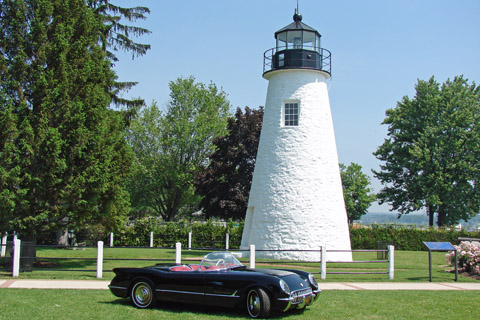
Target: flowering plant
pixel 468 254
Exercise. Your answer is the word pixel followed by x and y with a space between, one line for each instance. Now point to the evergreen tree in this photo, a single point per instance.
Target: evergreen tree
pixel 225 184
pixel 431 157
pixel 63 157
pixel 115 35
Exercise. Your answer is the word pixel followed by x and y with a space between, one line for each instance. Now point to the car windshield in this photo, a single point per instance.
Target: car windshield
pixel 219 260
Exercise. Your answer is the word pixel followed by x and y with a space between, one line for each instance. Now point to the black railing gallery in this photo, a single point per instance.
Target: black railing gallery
pixel 303 57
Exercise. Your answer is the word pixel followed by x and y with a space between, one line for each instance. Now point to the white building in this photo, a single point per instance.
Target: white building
pixel 296 198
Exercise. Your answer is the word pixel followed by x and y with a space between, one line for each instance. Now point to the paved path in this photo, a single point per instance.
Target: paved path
pixel 102 285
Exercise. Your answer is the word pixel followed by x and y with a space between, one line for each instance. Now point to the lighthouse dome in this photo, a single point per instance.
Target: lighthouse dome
pixel 297 46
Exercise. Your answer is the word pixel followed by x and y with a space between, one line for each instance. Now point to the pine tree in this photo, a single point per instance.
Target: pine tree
pixel 63 157
pixel 114 36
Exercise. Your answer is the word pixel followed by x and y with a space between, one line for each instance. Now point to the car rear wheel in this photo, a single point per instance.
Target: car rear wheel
pixel 143 294
pixel 258 303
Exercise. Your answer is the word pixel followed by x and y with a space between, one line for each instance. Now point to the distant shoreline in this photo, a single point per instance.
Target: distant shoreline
pixel 420 219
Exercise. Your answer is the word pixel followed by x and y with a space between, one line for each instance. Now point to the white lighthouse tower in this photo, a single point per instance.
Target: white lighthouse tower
pixel 296 198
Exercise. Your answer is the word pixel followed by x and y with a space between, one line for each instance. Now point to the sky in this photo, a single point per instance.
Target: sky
pixel 380 48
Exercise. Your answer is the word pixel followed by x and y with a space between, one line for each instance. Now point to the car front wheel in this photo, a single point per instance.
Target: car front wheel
pixel 258 303
pixel 143 294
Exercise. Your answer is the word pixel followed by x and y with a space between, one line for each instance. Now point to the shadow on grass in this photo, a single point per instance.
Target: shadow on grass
pixel 418 279
pixel 176 309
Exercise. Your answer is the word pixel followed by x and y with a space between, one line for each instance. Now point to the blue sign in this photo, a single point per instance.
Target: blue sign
pixel 439 246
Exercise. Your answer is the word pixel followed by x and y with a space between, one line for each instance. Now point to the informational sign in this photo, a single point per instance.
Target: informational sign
pixel 440 246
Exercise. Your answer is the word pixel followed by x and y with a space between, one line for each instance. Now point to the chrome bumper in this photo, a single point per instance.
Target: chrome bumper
pixel 300 298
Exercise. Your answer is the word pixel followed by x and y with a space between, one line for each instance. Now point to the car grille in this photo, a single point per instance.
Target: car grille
pixel 299 295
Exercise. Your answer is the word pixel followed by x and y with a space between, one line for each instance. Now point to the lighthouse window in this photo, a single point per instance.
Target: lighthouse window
pixel 294 40
pixel 281 60
pixel 291 114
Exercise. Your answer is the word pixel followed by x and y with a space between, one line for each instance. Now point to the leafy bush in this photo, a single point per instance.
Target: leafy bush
pixel 468 254
pixel 209 234
pixel 403 237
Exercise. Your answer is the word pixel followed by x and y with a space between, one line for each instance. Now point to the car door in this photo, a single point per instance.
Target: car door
pixel 182 286
pixel 222 288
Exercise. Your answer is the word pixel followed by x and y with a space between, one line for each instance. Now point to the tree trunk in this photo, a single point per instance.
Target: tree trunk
pixel 441 216
pixel 431 215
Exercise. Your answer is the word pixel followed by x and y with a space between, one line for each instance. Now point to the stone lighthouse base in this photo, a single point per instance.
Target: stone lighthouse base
pixel 296 202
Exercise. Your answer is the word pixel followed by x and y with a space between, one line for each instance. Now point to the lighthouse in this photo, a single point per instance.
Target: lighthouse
pixel 296 202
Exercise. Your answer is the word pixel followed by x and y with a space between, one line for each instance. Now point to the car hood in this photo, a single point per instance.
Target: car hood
pixel 294 281
pixel 275 272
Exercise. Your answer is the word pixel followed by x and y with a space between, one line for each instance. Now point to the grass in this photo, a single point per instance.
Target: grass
pixel 333 304
pixel 81 264
pixel 101 304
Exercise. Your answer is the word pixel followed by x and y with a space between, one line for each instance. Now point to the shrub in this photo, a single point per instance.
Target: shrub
pixel 468 254
pixel 208 234
pixel 403 237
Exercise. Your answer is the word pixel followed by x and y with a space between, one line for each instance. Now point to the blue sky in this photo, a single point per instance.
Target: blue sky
pixel 379 50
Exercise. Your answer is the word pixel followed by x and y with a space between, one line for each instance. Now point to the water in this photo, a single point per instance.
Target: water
pixel 420 219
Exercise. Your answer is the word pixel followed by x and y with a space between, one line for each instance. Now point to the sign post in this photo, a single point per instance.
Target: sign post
pixel 440 246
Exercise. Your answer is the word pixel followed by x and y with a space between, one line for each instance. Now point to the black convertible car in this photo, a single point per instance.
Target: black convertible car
pixel 219 280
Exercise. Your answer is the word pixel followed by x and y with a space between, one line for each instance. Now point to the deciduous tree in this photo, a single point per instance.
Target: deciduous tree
pixel 431 157
pixel 225 184
pixel 356 191
pixel 170 147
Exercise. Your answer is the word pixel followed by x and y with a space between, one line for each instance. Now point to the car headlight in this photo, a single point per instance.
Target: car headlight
pixel 312 280
pixel 284 286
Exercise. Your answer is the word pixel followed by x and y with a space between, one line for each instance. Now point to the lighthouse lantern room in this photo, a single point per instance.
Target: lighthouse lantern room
pixel 298 46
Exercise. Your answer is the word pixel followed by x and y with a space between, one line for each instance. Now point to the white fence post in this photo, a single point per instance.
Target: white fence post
pixel 227 240
pixel 16 257
pixel 190 240
pixel 323 268
pixel 99 259
pixel 151 239
pixel 391 262
pixel 178 253
pixel 3 250
pixel 111 239
pixel 252 256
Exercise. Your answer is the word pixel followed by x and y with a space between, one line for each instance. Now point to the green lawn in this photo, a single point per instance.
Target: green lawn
pixel 81 264
pixel 101 304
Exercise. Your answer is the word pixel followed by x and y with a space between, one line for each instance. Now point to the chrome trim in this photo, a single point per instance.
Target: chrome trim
pixel 222 295
pixel 297 294
pixel 316 294
pixel 233 295
pixel 175 291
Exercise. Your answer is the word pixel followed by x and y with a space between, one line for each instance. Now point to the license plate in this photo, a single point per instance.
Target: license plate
pixel 297 300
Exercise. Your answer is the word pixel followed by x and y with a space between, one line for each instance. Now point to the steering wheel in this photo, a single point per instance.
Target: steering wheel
pixel 219 262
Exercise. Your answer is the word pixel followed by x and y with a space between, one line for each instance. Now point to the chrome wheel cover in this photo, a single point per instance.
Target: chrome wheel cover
pixel 142 294
pixel 253 304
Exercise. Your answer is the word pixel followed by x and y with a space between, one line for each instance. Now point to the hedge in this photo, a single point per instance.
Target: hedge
pixel 211 234
pixel 403 237
pixel 208 234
